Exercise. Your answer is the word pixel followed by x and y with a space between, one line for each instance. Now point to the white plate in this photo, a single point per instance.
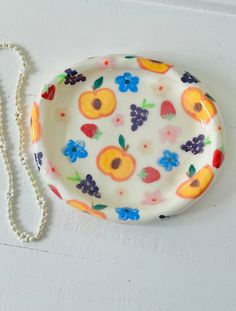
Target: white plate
pixel 126 138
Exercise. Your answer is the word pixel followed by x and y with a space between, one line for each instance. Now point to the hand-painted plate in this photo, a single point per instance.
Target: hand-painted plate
pixel 127 138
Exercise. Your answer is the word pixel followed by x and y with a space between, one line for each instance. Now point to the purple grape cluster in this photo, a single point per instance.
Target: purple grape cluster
pixel 72 77
pixel 138 116
pixel 196 145
pixel 189 78
pixel 38 159
pixel 88 185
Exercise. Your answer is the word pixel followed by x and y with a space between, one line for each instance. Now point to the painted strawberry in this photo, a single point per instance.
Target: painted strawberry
pixel 49 92
pixel 149 175
pixel 91 130
pixel 167 110
pixel 218 158
pixel 55 191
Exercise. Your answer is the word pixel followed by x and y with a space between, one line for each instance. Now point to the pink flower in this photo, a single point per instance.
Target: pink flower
pixel 118 120
pixel 121 192
pixel 158 89
pixel 219 127
pixel 169 134
pixel 152 198
pixel 62 114
pixel 145 147
pixel 51 170
pixel 106 62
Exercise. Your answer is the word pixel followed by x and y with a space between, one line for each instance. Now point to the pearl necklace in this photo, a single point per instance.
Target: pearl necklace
pixel 23 236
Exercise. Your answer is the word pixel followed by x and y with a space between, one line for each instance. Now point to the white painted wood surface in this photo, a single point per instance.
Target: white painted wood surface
pixel 181 264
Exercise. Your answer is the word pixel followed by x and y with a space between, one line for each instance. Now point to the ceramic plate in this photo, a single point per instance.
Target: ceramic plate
pixel 127 138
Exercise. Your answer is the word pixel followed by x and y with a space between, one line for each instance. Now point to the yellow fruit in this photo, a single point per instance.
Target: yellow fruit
pixel 97 104
pixel 35 126
pixel 115 162
pixel 86 208
pixel 197 184
pixel 153 65
pixel 198 105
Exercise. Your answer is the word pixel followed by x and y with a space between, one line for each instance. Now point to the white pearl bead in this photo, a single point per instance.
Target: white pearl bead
pixel 23 236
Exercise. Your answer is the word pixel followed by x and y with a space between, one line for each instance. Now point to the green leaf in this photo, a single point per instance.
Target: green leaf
pixel 143 103
pixel 72 178
pixel 149 106
pixel 61 78
pixel 168 116
pixel 98 207
pixel 207 141
pixel 146 105
pixel 77 174
pixel 97 135
pixel 45 88
pixel 129 56
pixel 191 170
pixel 210 97
pixel 62 75
pixel 142 174
pixel 97 83
pixel 222 148
pixel 122 141
pixel 75 178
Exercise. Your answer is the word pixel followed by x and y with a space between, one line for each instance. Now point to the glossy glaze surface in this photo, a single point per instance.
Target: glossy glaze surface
pixel 127 138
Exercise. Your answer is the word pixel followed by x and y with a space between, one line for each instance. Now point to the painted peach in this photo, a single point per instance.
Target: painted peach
pixel 97 104
pixel 153 65
pixel 35 126
pixel 200 107
pixel 86 208
pixel 197 184
pixel 116 163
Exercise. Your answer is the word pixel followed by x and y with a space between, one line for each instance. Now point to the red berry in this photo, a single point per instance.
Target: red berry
pixel 149 175
pixel 167 110
pixel 91 130
pixel 218 158
pixel 49 93
pixel 55 191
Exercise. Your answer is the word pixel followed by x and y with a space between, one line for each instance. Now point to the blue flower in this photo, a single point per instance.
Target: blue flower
pixel 126 213
pixel 74 150
pixel 169 160
pixel 127 82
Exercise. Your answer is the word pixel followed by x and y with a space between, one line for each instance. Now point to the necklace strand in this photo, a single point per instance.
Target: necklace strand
pixel 23 236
